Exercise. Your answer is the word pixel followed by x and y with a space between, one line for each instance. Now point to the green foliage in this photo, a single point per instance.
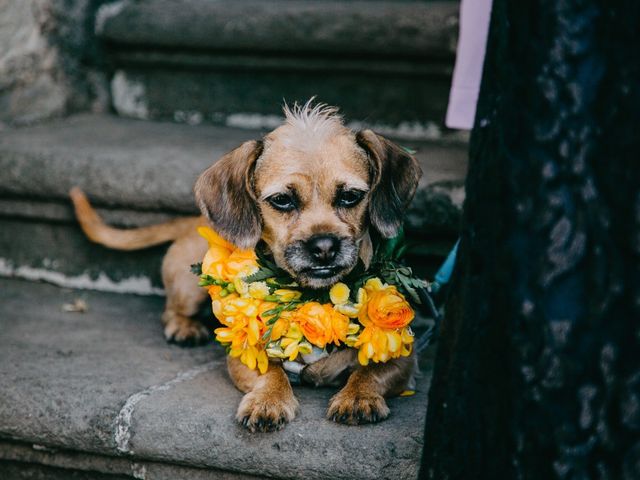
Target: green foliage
pixel 270 271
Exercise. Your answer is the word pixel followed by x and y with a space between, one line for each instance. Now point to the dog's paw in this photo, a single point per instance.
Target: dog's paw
pixel 186 332
pixel 259 412
pixel 355 408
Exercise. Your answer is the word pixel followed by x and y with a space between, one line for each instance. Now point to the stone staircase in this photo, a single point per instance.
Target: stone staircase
pixel 382 62
pixel 100 394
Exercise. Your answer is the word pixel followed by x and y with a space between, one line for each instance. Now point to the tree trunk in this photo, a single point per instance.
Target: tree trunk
pixel 537 373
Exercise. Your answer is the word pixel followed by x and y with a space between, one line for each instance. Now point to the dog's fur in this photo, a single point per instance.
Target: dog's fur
pixel 336 185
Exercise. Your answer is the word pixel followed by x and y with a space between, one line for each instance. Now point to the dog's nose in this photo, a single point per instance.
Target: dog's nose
pixel 323 248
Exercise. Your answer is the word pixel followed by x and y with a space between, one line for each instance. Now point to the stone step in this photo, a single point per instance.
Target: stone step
pixel 89 394
pixel 139 173
pixel 197 60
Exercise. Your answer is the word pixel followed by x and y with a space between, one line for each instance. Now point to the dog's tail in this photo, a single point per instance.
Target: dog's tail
pixel 126 239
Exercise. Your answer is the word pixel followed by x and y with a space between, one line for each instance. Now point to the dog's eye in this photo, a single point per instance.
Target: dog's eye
pixel 349 198
pixel 282 202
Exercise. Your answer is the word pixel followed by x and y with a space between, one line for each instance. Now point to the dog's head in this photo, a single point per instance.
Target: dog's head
pixel 311 189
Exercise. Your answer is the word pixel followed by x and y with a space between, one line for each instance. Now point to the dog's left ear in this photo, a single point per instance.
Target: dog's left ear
pixel 225 195
pixel 395 174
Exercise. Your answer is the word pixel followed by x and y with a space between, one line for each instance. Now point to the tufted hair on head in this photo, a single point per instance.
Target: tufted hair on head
pixel 311 125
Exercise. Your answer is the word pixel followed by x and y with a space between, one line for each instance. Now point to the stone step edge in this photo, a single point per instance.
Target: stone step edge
pixel 61 211
pixel 50 456
pixel 53 156
pixel 410 29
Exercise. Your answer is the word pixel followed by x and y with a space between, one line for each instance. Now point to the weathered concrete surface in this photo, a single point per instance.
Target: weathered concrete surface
pixel 21 461
pixel 49 63
pixel 118 162
pixel 68 381
pixel 419 29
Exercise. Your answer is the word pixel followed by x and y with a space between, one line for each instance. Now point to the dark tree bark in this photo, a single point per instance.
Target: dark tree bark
pixel 537 373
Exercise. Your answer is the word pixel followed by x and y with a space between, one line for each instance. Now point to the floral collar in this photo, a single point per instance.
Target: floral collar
pixel 266 315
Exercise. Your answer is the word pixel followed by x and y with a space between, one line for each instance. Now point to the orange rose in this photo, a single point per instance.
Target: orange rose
pixel 386 308
pixel 321 324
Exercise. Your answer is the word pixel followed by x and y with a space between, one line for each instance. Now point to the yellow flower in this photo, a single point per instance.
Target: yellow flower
pixel 256 326
pixel 253 357
pixel 279 328
pixel 339 293
pixel 285 295
pixel 374 284
pixel 352 310
pixel 352 334
pixel 240 286
pixel 274 351
pixel 258 290
pixel 294 343
pixel 379 345
pixel 239 309
pixel 219 298
pixel 321 324
pixel 243 331
pixel 223 260
pixel 386 307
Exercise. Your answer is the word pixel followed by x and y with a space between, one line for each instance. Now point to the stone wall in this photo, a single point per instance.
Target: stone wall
pixel 49 63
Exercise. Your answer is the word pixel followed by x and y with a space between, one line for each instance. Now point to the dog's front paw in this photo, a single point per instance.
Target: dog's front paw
pixel 186 332
pixel 260 412
pixel 355 408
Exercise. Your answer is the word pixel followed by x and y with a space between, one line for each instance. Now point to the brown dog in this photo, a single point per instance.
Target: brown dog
pixel 310 190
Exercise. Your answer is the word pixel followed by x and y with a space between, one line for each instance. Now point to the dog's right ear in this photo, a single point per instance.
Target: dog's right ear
pixel 225 195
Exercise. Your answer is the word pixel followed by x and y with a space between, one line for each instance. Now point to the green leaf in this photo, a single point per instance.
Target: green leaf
pixel 389 248
pixel 207 280
pixel 262 274
pixel 410 290
pixel 272 311
pixel 267 334
pixel 196 268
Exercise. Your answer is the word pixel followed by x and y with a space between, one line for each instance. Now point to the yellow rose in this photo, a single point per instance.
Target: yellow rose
pixel 386 308
pixel 223 260
pixel 315 323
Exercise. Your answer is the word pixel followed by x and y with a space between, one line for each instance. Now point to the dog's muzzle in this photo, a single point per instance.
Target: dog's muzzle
pixel 321 260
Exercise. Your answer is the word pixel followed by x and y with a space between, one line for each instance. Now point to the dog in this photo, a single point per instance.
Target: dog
pixel 312 190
